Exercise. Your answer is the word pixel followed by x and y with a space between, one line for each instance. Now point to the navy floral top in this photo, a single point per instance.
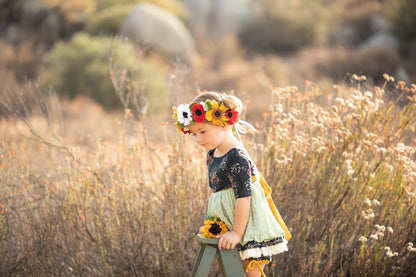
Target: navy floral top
pixel 233 170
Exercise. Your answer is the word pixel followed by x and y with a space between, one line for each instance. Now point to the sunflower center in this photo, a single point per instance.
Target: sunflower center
pixel 215 229
pixel 217 114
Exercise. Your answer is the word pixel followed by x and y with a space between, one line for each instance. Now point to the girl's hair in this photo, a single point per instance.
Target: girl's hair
pixel 230 101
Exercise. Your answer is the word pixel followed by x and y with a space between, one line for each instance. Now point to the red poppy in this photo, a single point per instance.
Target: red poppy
pixel 198 113
pixel 232 116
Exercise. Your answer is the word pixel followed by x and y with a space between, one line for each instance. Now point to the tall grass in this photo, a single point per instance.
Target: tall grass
pixel 116 203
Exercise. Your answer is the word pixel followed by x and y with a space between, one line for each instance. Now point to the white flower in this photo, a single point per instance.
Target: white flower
pixel 411 249
pixel 390 230
pixel 374 236
pixel 340 101
pixel 381 228
pixel 350 172
pixel 376 202
pixel 391 254
pixel 367 201
pixel 204 105
pixel 184 114
pixel 362 239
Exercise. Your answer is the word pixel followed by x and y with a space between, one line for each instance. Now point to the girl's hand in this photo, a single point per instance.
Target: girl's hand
pixel 229 240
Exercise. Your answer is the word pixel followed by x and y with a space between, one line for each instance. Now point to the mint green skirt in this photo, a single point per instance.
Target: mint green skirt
pixel 262 225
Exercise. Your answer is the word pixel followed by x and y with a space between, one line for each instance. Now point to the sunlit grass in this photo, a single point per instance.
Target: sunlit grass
pixel 113 200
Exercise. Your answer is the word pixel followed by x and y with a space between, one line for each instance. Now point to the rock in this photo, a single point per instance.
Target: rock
pixel 151 27
pixel 381 39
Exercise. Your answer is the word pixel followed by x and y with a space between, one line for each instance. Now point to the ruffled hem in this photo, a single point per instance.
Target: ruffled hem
pixel 266 251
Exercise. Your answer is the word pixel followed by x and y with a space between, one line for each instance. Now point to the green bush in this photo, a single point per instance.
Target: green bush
pixel 82 66
pixel 173 6
pixel 109 20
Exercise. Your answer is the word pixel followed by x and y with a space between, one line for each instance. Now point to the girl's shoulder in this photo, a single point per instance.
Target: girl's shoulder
pixel 232 153
pixel 239 154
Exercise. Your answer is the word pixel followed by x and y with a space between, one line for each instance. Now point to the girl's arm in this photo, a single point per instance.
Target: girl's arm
pixel 242 213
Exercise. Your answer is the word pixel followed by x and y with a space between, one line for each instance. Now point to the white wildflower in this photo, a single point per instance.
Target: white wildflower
pixel 411 249
pixel 340 101
pixel 375 202
pixel 391 254
pixel 362 239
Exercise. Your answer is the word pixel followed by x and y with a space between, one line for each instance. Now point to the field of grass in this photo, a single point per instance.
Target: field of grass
pixel 85 192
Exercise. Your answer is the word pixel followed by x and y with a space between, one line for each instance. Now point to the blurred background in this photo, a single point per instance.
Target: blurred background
pixel 147 55
pixel 95 181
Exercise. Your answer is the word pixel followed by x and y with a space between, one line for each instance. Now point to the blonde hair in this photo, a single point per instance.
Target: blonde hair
pixel 230 101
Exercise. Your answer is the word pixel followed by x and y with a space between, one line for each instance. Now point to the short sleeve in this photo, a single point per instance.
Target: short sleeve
pixel 240 175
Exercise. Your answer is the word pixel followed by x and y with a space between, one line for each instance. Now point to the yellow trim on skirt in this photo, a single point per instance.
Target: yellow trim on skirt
pixel 275 211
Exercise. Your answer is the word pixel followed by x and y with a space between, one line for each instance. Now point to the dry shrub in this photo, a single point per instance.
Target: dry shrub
pixel 340 173
pixel 122 211
pixel 335 63
pixel 375 61
pixel 125 206
pixel 317 63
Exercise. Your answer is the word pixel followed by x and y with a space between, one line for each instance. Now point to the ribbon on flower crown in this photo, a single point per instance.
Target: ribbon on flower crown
pixel 210 110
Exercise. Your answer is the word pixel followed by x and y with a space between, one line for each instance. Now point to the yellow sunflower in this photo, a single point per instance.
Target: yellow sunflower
pixel 175 113
pixel 217 114
pixel 213 227
pixel 175 116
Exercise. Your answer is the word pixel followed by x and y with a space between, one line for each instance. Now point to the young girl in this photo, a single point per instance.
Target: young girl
pixel 237 197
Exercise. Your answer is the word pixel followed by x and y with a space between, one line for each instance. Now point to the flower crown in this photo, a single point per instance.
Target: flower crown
pixel 215 112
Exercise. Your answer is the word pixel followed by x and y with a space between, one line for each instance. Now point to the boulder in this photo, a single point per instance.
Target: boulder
pixel 152 27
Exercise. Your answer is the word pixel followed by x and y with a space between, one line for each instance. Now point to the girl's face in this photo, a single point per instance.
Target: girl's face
pixel 207 134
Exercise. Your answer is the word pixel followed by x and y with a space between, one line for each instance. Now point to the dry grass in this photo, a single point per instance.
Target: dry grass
pixel 105 197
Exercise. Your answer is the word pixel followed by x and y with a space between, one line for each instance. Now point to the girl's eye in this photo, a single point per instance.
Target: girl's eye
pixel 202 132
